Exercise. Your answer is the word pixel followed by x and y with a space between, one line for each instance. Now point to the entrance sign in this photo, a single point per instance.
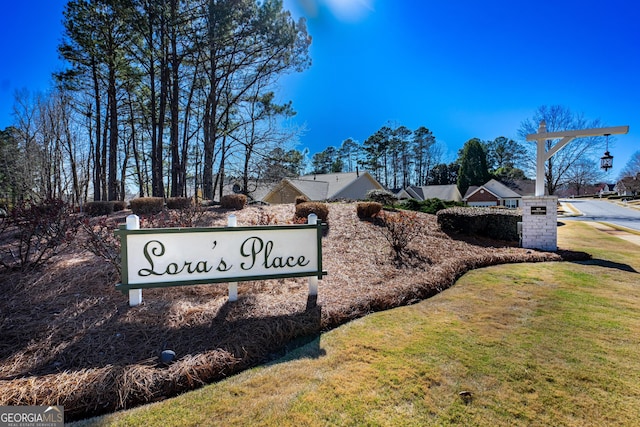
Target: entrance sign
pixel 539 214
pixel 538 210
pixel 165 257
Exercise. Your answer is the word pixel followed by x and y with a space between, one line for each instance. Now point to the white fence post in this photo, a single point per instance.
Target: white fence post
pixel 233 286
pixel 135 295
pixel 313 280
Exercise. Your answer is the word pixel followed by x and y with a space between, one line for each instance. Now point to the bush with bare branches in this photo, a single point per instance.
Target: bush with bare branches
pixel 399 229
pixel 35 232
pixel 188 217
pixel 100 239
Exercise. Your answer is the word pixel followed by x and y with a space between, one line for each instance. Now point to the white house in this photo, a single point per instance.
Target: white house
pixel 628 186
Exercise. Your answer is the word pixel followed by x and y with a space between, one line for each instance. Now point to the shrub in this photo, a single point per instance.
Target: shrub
pixel 383 197
pixel 320 209
pixel 174 218
pixel 399 229
pixel 499 224
pixel 301 199
pixel 264 218
pixel 101 240
pixel 99 208
pixel 119 205
pixel 147 205
pixel 411 205
pixel 430 206
pixel 179 203
pixel 233 201
pixel 38 230
pixel 368 210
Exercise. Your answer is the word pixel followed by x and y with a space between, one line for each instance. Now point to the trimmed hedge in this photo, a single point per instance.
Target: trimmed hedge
pixel 179 203
pixel 119 205
pixel 383 197
pixel 320 209
pixel 616 197
pixel 233 201
pixel 301 199
pixel 368 210
pixel 499 224
pixel 147 205
pixel 99 208
pixel 430 206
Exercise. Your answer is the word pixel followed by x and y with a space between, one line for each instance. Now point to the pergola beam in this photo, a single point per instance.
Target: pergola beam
pixel 614 130
pixel 567 136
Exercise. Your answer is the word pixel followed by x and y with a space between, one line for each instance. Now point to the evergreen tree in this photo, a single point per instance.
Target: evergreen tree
pixel 473 166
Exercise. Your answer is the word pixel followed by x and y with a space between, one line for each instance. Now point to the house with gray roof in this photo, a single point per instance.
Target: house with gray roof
pixel 628 186
pixel 495 193
pixel 323 187
pixel 449 193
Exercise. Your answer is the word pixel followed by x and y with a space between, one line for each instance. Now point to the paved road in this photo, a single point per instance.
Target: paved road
pixel 597 210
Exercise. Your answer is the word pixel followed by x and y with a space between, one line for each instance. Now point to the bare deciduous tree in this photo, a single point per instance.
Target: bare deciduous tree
pixel 559 118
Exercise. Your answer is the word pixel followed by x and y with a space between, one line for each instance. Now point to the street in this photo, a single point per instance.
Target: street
pixel 604 211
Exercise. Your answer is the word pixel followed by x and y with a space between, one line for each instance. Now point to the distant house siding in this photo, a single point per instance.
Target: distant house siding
pixel 284 194
pixel 628 186
pixel 482 198
pixel 357 190
pixel 511 203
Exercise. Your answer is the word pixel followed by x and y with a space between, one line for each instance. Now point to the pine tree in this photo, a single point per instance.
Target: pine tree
pixel 473 166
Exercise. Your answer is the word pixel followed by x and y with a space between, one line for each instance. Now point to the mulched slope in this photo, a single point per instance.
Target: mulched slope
pixel 68 338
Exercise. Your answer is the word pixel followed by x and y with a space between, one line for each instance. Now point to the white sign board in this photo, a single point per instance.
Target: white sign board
pixel 172 257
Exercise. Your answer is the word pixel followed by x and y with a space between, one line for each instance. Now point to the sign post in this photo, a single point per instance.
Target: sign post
pixel 135 295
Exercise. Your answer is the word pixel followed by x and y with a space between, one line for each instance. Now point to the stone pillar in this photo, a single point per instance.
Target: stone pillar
pixel 540 222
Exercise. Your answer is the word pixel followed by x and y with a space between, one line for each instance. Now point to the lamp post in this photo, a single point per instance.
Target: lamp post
pixel 567 136
pixel 539 212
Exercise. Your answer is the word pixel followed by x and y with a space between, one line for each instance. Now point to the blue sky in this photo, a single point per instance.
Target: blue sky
pixel 462 68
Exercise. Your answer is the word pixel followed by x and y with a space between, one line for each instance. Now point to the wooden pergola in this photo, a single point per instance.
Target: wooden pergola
pixel 567 136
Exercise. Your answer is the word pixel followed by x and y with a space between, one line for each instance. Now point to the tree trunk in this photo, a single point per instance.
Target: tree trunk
pixel 97 162
pixel 113 135
pixel 176 182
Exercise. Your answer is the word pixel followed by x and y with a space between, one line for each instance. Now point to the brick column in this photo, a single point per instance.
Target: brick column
pixel 540 222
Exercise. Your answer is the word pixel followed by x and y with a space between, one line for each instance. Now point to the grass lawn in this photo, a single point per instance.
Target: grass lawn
pixel 553 343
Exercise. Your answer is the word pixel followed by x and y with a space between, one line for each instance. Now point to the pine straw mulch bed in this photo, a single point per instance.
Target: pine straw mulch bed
pixel 67 337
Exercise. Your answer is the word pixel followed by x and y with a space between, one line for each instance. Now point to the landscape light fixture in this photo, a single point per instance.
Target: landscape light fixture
pixel 606 161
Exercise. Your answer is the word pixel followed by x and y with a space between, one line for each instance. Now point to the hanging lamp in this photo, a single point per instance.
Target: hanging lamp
pixel 606 161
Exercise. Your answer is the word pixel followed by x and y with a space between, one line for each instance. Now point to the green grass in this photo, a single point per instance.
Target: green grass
pixel 535 345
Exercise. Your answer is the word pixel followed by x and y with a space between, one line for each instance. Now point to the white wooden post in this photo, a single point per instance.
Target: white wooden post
pixel 313 280
pixel 539 213
pixel 540 159
pixel 135 295
pixel 233 286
